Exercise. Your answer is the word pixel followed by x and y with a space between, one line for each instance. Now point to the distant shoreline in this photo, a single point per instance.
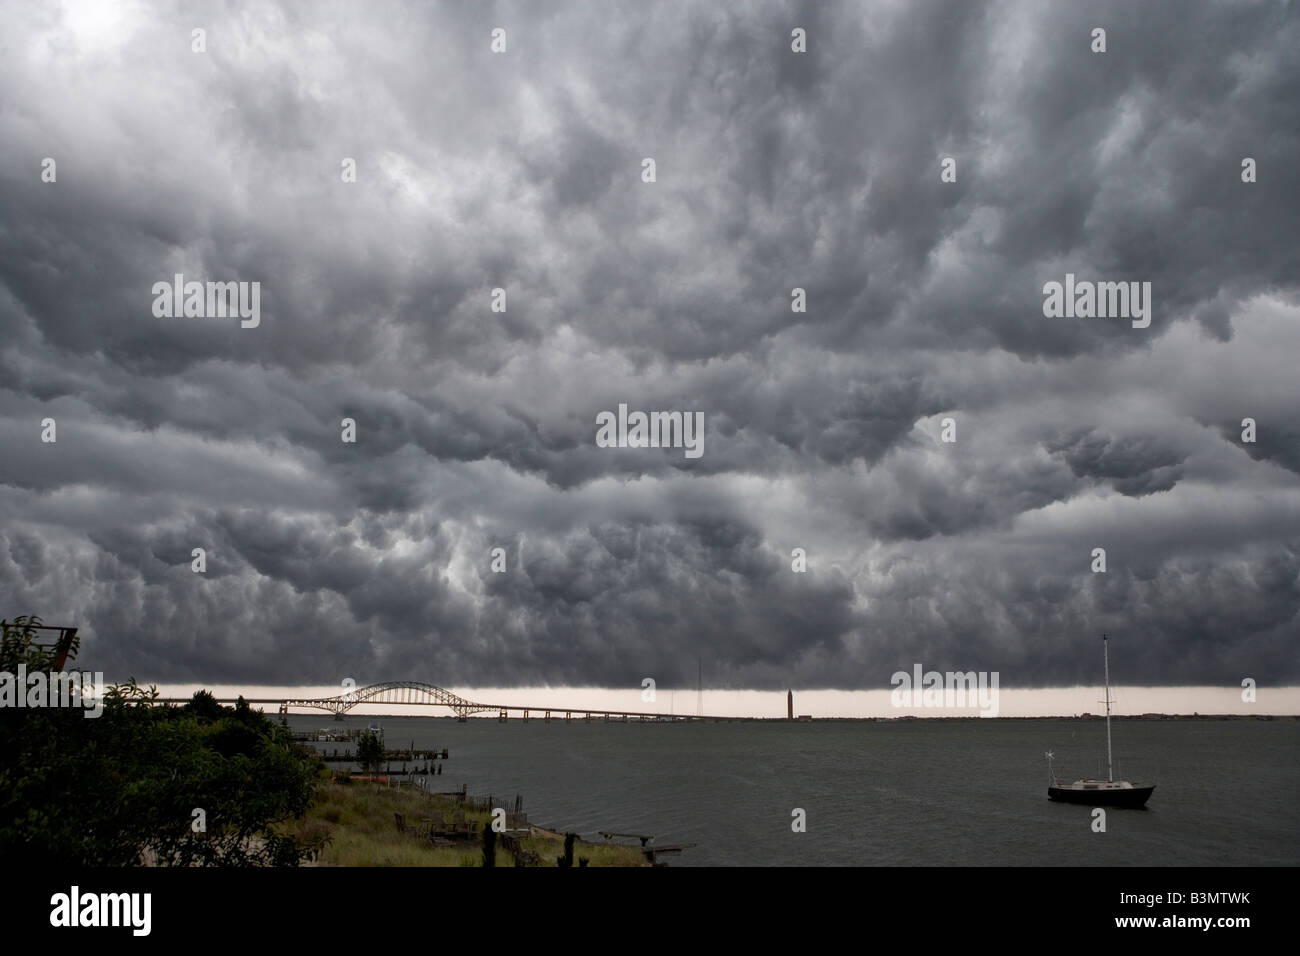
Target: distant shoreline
pixel 861 720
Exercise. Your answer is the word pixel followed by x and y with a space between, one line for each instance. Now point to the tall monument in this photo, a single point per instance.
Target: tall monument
pixel 789 705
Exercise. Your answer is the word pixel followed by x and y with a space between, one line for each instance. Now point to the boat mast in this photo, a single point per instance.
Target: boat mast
pixel 1105 654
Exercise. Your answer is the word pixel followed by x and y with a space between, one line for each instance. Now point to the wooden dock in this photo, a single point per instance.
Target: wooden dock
pixel 648 846
pixel 405 756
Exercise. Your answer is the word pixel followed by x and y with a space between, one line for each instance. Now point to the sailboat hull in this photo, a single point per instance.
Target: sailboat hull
pixel 1133 798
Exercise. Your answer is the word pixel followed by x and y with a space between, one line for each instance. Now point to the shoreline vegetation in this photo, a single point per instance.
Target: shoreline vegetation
pixel 359 822
pixel 197 783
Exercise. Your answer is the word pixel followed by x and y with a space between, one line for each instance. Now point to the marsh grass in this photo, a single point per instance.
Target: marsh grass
pixel 353 825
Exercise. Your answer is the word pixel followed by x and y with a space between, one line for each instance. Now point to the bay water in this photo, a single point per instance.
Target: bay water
pixel 882 793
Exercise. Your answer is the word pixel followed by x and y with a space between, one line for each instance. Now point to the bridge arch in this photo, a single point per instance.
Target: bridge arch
pixel 390 692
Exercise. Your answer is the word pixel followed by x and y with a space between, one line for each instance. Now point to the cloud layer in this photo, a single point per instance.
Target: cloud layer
pixel 476 429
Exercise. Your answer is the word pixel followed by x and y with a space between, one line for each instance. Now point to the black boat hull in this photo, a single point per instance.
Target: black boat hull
pixel 1133 798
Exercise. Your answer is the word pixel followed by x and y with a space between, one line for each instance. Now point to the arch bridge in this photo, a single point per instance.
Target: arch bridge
pixel 390 692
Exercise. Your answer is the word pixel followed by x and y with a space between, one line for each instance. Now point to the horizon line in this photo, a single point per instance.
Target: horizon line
pixel 1062 701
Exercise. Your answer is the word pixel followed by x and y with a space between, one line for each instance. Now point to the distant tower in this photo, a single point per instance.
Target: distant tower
pixel 699 689
pixel 789 705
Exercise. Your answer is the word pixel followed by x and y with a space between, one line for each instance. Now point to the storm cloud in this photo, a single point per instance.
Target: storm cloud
pixel 825 429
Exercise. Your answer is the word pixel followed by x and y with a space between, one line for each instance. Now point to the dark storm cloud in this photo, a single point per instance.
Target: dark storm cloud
pixel 1278 443
pixel 824 429
pixel 1136 465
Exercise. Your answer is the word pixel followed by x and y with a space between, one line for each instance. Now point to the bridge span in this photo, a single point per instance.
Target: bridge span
pixel 417 693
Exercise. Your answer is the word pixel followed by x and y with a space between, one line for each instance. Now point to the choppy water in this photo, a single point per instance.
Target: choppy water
pixel 901 793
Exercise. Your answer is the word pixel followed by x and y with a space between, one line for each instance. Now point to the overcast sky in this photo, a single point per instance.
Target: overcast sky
pixel 476 429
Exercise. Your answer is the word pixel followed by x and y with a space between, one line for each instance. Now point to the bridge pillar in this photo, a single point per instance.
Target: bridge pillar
pixel 547 718
pixel 525 715
pixel 503 717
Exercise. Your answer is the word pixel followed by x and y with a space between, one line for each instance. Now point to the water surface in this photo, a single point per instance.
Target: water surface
pixel 922 792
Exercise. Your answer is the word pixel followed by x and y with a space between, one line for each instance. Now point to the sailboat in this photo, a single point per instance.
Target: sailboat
pixel 1100 793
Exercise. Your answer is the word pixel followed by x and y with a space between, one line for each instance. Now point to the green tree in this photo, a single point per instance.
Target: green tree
pixel 123 788
pixel 370 751
pixel 204 706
